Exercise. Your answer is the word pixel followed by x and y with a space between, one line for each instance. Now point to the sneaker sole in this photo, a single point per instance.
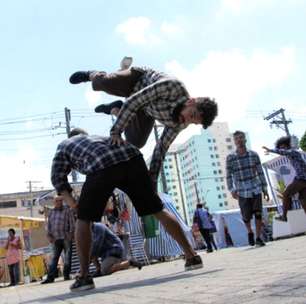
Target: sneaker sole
pixel 83 288
pixel 193 267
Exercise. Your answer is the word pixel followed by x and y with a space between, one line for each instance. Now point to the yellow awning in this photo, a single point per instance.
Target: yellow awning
pixel 7 221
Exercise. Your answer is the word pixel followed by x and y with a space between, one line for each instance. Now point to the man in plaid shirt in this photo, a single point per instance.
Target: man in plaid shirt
pixel 246 181
pixel 107 167
pixel 150 96
pixel 60 230
pixel 298 185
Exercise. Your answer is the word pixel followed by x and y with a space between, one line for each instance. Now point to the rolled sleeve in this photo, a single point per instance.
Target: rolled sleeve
pixel 59 172
pixel 261 174
pixel 160 150
pixel 229 174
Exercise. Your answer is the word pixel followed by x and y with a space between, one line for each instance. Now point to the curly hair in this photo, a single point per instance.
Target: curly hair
pixel 285 140
pixel 208 109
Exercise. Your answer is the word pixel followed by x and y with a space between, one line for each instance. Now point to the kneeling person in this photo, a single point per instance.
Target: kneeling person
pixel 108 247
pixel 107 167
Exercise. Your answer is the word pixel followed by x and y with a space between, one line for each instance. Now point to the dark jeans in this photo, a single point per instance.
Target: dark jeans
pixel 207 237
pixel 58 247
pixel 14 273
pixel 122 83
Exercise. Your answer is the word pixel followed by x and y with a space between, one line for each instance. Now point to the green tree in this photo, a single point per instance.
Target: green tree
pixel 303 142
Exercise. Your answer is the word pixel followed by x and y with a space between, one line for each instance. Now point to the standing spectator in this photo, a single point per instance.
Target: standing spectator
pixel 298 185
pixel 246 181
pixel 61 223
pixel 202 219
pixel 212 231
pixel 13 245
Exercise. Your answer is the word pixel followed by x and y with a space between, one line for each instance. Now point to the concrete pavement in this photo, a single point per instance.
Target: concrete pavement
pixel 272 274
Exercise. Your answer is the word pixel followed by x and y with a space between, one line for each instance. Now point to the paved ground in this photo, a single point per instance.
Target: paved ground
pixel 273 274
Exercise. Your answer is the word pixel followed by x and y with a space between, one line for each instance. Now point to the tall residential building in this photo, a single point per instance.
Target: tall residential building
pixel 195 171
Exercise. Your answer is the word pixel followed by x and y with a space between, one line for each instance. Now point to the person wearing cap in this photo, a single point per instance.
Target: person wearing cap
pixel 150 96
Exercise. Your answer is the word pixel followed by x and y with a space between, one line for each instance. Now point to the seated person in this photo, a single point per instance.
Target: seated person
pixel 108 247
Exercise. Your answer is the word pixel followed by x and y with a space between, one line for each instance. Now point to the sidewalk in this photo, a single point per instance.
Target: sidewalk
pixel 272 274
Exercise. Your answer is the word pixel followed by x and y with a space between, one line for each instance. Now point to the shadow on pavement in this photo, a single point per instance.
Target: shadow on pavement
pixel 142 283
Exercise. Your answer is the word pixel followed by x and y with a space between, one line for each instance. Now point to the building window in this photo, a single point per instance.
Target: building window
pixel 219 196
pixel 220 205
pixel 215 171
pixel 220 171
pixel 211 156
pixel 229 147
pixel 210 148
pixel 224 194
pixel 225 203
pixel 8 204
pixel 214 140
pixel 208 140
pixel 218 188
pixel 228 139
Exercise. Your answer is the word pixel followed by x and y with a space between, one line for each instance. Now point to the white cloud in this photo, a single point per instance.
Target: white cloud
pixel 170 29
pixel 140 31
pixel 234 78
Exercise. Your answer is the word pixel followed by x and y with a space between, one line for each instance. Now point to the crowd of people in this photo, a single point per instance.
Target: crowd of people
pixel 112 162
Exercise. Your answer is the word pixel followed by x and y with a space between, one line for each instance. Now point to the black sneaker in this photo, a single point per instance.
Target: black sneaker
pixel 194 263
pixel 81 284
pixel 47 281
pixel 251 239
pixel 78 77
pixel 97 273
pixel 260 242
pixel 106 108
pixel 136 264
pixel 281 218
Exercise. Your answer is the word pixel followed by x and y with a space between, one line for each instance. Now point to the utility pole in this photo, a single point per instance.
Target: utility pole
pixel 279 119
pixel 162 172
pixel 30 187
pixel 68 119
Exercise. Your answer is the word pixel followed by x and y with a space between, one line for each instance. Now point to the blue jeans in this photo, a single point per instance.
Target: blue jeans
pixel 58 247
pixel 14 273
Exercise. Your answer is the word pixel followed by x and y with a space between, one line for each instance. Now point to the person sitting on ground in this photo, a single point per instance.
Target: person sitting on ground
pixel 107 167
pixel 298 185
pixel 109 248
pixel 150 96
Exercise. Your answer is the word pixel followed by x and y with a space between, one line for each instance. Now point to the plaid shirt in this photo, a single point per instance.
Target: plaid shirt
pixel 158 95
pixel 61 223
pixel 244 174
pixel 86 154
pixel 296 160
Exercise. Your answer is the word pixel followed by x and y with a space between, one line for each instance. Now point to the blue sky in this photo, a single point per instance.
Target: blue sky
pixel 248 54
